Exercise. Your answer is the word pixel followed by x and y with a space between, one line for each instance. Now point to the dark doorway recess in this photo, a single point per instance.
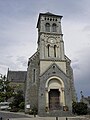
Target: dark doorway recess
pixel 54 99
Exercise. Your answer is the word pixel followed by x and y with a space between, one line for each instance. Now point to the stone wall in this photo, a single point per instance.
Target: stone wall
pixel 49 73
pixel 31 96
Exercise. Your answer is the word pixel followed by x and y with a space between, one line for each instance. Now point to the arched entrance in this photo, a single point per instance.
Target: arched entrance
pixel 54 99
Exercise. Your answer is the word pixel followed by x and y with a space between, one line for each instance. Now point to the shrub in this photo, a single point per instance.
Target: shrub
pixel 33 111
pixel 14 109
pixel 21 105
pixel 79 108
pixel 18 101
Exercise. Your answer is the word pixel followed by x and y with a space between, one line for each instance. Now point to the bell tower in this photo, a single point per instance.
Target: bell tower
pixel 50 41
pixel 50 37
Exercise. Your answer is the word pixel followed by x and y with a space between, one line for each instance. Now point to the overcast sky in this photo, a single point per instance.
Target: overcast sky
pixel 18 35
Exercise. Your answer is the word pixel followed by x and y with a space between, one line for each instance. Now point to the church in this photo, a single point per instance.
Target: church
pixel 50 85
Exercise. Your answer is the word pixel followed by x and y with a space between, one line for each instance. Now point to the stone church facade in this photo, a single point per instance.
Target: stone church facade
pixel 50 84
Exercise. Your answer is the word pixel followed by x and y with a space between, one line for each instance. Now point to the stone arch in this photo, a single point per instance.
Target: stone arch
pixel 54 27
pixel 56 85
pixel 47 27
pixel 56 78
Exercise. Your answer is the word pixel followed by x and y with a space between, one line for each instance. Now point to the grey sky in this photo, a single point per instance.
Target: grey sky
pixel 18 34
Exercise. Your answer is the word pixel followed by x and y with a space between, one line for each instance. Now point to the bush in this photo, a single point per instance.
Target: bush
pixel 30 112
pixel 88 111
pixel 14 109
pixel 33 111
pixel 79 108
pixel 18 102
pixel 21 110
pixel 21 105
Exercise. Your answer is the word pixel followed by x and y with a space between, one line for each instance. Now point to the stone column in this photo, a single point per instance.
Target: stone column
pixel 62 48
pixel 47 99
pixel 63 99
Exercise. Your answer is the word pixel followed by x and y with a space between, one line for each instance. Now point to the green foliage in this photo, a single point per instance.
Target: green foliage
pixel 18 101
pixel 21 105
pixel 14 109
pixel 6 91
pixel 1 99
pixel 79 108
pixel 33 111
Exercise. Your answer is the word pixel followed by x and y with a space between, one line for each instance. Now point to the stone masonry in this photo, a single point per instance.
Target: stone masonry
pixel 50 83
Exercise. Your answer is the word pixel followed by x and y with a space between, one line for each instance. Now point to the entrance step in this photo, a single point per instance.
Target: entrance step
pixel 56 113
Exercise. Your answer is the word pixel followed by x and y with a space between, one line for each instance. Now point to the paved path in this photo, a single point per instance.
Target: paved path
pixel 7 115
pixel 22 116
pixel 40 118
pixel 52 118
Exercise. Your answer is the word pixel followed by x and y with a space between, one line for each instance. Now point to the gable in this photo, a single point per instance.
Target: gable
pixel 54 70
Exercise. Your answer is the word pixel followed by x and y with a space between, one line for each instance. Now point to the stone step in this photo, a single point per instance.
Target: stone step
pixel 56 113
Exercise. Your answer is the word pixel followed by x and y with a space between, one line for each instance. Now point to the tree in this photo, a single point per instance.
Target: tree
pixel 18 101
pixel 79 108
pixel 6 91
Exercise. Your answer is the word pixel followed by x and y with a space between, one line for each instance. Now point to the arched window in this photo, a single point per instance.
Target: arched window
pixel 47 27
pixel 54 27
pixel 48 50
pixel 54 50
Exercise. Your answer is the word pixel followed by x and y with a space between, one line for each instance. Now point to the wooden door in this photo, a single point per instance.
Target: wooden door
pixel 54 99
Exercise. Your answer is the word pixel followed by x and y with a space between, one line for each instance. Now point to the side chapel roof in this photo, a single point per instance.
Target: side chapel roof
pixel 17 76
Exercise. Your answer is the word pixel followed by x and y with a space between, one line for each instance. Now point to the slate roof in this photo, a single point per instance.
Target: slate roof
pixel 17 76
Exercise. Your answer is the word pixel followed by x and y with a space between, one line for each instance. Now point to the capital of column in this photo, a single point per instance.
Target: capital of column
pixel 62 88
